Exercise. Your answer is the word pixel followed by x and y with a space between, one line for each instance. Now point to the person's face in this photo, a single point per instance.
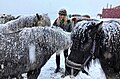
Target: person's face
pixel 61 16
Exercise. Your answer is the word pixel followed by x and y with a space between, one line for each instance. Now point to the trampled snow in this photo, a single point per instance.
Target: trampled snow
pixel 47 71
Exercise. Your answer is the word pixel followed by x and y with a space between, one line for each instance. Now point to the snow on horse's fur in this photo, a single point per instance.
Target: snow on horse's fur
pixel 10 51
pixel 99 39
pixel 25 21
pixel 6 17
pixel 30 48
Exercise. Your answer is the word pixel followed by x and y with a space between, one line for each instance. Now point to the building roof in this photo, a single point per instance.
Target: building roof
pixel 111 12
pixel 117 7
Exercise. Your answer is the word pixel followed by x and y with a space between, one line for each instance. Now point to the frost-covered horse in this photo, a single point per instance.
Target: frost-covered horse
pixel 28 50
pixel 93 39
pixel 5 18
pixel 25 21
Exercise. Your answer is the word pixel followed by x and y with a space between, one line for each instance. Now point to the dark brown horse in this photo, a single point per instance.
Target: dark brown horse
pixel 91 40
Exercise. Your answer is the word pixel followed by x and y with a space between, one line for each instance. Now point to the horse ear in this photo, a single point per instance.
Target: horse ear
pixel 17 17
pixel 96 28
pixel 38 16
pixel 99 25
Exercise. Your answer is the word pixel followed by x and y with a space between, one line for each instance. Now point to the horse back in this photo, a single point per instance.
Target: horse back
pixel 110 45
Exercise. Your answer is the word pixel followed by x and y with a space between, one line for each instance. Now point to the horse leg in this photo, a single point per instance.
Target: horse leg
pixel 65 54
pixel 33 74
pixel 57 63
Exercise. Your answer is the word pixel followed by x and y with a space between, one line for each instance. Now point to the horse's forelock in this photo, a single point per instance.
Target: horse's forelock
pixel 84 25
pixel 83 29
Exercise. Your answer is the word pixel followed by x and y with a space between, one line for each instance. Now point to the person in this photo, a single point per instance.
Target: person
pixel 63 22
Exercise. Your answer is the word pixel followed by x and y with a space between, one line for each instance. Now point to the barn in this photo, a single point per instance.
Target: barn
pixel 111 12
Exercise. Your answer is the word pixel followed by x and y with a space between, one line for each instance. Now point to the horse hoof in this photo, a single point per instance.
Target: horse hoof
pixel 57 70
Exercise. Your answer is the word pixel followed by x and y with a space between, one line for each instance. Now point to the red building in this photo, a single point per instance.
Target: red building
pixel 111 12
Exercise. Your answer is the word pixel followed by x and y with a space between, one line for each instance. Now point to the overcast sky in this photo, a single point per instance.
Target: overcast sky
pixel 20 7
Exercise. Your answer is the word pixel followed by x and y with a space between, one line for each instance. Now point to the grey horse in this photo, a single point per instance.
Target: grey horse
pixel 7 17
pixel 25 21
pixel 15 26
pixel 29 49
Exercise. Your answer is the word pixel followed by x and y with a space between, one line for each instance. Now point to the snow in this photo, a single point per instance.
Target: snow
pixel 32 54
pixel 47 71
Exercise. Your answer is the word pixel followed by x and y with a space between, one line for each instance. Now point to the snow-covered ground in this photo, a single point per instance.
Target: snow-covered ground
pixel 47 71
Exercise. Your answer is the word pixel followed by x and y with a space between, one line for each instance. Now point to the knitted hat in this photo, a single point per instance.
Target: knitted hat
pixel 62 12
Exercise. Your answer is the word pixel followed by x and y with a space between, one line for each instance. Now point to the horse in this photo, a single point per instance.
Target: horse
pixel 25 21
pixel 95 40
pixel 6 17
pixel 27 50
pixel 75 18
pixel 15 26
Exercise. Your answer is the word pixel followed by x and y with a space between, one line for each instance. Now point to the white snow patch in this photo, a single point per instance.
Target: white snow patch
pixel 32 56
pixel 2 66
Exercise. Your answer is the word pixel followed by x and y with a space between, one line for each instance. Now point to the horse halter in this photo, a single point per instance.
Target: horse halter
pixel 80 67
